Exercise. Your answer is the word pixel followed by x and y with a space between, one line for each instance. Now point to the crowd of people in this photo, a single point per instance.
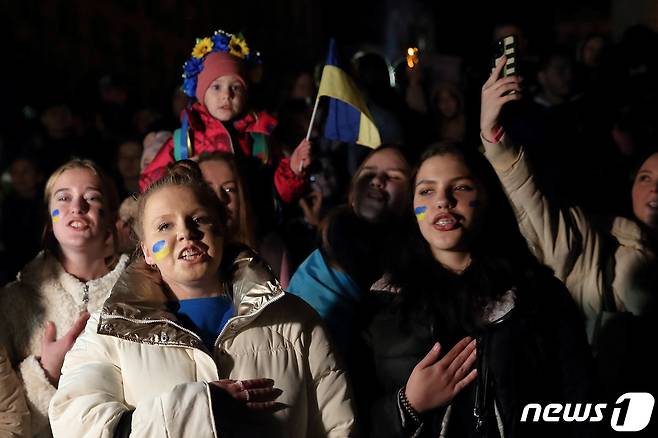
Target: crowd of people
pixel 218 273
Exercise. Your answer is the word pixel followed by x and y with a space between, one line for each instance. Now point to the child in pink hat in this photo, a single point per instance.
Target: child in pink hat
pixel 219 121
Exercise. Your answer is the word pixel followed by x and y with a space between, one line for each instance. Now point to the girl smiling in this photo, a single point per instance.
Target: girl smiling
pixel 45 309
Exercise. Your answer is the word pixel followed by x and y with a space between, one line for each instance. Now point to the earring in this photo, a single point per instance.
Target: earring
pixel 154 267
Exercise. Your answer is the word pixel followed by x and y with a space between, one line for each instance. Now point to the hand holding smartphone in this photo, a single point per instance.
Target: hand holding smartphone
pixel 502 87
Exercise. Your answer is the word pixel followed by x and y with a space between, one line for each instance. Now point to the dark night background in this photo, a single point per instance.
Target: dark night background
pixel 65 45
pixel 67 54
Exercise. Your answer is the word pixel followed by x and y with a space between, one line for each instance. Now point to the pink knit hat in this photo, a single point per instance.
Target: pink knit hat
pixel 215 65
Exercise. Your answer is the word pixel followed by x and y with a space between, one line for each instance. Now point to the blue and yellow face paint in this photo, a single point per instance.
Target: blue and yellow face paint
pixel 420 212
pixel 55 215
pixel 160 250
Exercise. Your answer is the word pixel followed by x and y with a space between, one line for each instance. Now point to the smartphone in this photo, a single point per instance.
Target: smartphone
pixel 506 46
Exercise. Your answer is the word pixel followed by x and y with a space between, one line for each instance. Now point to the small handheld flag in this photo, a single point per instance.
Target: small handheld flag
pixel 348 118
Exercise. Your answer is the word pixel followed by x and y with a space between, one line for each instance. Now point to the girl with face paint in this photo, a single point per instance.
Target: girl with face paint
pixel 199 339
pixel 46 308
pixel 450 333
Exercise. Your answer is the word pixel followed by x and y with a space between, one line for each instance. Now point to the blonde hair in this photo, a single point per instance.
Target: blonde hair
pixel 107 188
pixel 187 174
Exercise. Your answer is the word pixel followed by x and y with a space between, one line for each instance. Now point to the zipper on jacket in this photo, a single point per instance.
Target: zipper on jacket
pixel 85 293
pixel 229 324
pixel 166 321
pixel 480 412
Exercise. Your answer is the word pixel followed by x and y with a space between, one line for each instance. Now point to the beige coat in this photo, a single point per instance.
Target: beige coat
pixel 566 241
pixel 44 291
pixel 14 416
pixel 135 355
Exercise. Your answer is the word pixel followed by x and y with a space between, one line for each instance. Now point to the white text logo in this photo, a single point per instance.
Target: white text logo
pixel 631 412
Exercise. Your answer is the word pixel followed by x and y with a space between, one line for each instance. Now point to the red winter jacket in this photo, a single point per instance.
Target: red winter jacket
pixel 209 135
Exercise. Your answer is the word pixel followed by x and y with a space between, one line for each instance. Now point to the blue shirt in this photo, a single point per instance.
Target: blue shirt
pixel 205 316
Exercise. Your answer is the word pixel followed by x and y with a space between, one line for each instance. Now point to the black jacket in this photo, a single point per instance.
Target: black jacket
pixel 536 353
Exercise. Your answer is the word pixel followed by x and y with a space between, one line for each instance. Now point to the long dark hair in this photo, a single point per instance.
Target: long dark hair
pixel 244 228
pixel 500 258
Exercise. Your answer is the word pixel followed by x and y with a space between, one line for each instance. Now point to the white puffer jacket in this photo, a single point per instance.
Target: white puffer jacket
pixel 136 361
pixel 44 291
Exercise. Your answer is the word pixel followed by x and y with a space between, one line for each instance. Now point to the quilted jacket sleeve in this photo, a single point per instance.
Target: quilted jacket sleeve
pixel 289 185
pixel 90 403
pixel 561 238
pixel 334 397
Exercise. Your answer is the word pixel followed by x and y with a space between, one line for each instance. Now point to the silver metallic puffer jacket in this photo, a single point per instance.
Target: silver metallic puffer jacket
pixel 136 356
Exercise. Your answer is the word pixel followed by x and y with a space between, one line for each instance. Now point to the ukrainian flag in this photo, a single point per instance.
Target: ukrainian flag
pixel 348 118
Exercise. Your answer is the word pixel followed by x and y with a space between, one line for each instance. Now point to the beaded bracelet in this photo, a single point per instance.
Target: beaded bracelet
pixel 408 409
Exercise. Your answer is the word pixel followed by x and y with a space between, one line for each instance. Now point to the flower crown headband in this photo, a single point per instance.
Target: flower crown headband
pixel 220 42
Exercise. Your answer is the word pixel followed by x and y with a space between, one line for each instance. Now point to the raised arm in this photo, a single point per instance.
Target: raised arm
pixel 290 173
pixel 561 238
